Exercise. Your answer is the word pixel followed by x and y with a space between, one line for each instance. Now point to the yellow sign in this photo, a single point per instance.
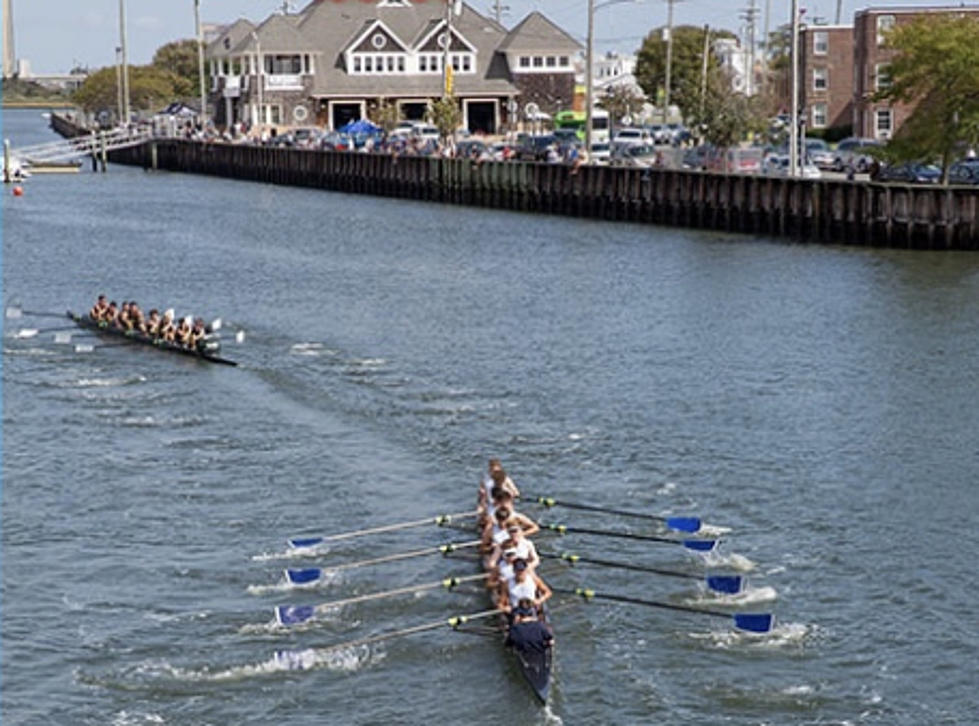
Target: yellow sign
pixel 448 80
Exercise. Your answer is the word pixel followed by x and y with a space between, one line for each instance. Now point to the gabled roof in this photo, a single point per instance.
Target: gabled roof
pixel 278 34
pixel 537 34
pixel 230 36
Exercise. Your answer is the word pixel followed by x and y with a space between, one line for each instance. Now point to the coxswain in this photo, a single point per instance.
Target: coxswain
pixel 98 309
pixel 526 585
pixel 527 633
pixel 152 324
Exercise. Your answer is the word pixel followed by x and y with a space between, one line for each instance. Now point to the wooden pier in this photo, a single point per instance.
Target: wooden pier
pixel 835 212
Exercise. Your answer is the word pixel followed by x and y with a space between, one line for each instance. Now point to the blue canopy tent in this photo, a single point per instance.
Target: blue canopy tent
pixel 360 127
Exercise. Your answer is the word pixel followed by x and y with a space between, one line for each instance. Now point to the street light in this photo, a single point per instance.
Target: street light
pixel 589 52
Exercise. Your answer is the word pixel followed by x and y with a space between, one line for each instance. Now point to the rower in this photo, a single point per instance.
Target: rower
pixel 182 334
pixel 525 585
pixel 136 321
pixel 166 328
pixel 195 339
pixel 98 309
pixel 109 315
pixel 122 319
pixel 152 325
pixel 523 548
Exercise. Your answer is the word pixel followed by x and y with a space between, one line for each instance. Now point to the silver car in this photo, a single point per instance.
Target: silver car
pixel 854 153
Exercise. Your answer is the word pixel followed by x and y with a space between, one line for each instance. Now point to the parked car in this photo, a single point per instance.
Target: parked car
pixel 470 148
pixel 854 153
pixel 696 158
pixel 964 172
pixel 778 165
pixel 659 133
pixel 820 154
pixel 403 128
pixel 641 155
pixel 566 135
pixel 534 148
pixel 601 152
pixel 678 134
pixel 426 132
pixel 912 172
pixel 735 160
pixel 630 136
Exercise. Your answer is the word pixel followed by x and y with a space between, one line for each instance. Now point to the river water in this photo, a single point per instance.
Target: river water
pixel 819 401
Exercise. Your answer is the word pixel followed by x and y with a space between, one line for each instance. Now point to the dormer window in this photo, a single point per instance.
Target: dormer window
pixel 379 41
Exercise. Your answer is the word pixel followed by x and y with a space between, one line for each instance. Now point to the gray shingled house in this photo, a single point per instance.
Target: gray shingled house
pixel 331 62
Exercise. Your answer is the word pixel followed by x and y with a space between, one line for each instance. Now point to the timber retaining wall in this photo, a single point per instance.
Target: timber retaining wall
pixel 841 212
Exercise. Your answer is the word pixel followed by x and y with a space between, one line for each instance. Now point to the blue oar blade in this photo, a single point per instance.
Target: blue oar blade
pixel 294 614
pixel 754 622
pixel 727 584
pixel 684 524
pixel 700 545
pixel 304 541
pixel 301 577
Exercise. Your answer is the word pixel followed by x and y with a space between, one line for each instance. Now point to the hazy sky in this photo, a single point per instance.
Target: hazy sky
pixel 54 35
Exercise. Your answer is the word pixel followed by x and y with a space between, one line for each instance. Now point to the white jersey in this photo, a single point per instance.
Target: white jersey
pixel 506 572
pixel 500 535
pixel 525 549
pixel 520 590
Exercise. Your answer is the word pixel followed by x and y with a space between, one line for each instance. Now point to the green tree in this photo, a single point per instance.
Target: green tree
pixel 621 101
pixel 180 59
pixel 445 115
pixel 383 114
pixel 935 66
pixel 726 118
pixel 149 89
pixel 685 69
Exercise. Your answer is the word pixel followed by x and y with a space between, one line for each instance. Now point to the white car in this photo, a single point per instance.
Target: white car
pixel 632 137
pixel 601 152
pixel 404 128
pixel 778 165
pixel 426 132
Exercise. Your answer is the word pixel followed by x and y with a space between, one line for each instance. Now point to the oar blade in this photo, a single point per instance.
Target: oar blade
pixel 13 312
pixel 300 542
pixel 700 545
pixel 726 584
pixel 84 348
pixel 754 622
pixel 216 324
pixel 62 338
pixel 684 524
pixel 240 337
pixel 294 614
pixel 303 576
pixel 26 333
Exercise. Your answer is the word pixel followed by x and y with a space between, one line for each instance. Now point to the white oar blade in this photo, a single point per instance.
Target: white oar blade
pixel 240 337
pixel 13 312
pixel 62 338
pixel 84 348
pixel 216 325
pixel 26 333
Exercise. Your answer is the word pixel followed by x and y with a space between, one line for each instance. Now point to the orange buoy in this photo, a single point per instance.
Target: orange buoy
pixel 18 191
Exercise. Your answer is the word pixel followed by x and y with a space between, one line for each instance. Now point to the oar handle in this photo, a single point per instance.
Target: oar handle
pixel 561 529
pixel 552 502
pixel 588 594
pixel 573 558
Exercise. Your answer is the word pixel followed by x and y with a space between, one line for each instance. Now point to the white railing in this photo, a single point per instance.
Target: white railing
pixel 284 82
pixel 232 87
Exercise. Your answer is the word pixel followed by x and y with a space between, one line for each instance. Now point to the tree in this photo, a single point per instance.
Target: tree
pixel 726 117
pixel 621 101
pixel 685 69
pixel 383 114
pixel 180 59
pixel 935 67
pixel 445 115
pixel 149 88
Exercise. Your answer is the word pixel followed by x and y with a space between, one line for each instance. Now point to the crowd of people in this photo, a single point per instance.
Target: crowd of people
pixel 511 559
pixel 129 317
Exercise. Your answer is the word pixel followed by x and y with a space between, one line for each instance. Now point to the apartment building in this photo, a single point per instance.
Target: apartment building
pixel 871 57
pixel 826 75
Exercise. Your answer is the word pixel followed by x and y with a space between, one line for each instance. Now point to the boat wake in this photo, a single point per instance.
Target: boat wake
pixel 732 561
pixel 783 635
pixel 749 596
pixel 326 579
pixel 293 553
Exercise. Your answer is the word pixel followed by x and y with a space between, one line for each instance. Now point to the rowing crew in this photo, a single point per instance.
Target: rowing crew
pixel 161 327
pixel 510 557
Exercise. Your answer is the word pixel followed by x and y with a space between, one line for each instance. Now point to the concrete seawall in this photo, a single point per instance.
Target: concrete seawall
pixel 841 212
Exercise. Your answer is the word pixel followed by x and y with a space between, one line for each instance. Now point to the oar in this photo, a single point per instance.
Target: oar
pixel 217 324
pixel 441 520
pixel 34 332
pixel 727 584
pixel 700 545
pixel 680 524
pixel 14 312
pixel 752 622
pixel 308 575
pixel 296 660
pixel 295 614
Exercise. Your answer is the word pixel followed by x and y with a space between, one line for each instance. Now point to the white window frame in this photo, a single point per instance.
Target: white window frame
pixel 884 23
pixel 880 71
pixel 524 61
pixel 820 75
pixel 819 115
pixel 883 131
pixel 820 42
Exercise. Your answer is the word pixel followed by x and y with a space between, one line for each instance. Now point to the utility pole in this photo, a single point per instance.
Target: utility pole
pixel 200 63
pixel 669 57
pixel 589 82
pixel 766 58
pixel 119 83
pixel 125 63
pixel 794 111
pixel 703 72
pixel 445 47
pixel 9 57
pixel 749 15
pixel 839 10
pixel 498 9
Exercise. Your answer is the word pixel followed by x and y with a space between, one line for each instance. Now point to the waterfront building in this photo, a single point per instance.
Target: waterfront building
pixel 881 119
pixel 334 60
pixel 826 75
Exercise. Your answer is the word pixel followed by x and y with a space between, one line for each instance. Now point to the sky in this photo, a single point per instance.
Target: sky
pixel 56 35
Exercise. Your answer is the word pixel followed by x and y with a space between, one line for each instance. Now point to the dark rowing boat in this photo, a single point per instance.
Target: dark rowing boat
pixel 211 356
pixel 534 661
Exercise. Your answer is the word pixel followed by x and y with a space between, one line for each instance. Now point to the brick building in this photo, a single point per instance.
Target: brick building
pixel 880 119
pixel 826 75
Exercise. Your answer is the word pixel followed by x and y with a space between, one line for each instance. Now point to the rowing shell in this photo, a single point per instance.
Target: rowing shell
pixel 535 665
pixel 87 323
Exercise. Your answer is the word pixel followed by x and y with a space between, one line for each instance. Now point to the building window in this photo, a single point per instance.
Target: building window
pixel 884 23
pixel 466 63
pixel 356 64
pixel 423 63
pixel 525 61
pixel 819 115
pixel 882 76
pixel 368 64
pixel 390 64
pixel 820 43
pixel 456 62
pixel 538 61
pixel 563 61
pixel 401 64
pixel 378 41
pixel 819 79
pixel 551 61
pixel 883 122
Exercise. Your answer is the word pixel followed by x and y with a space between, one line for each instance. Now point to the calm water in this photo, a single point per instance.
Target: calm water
pixel 819 401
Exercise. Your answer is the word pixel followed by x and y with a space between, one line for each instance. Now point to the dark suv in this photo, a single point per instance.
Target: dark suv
pixel 534 148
